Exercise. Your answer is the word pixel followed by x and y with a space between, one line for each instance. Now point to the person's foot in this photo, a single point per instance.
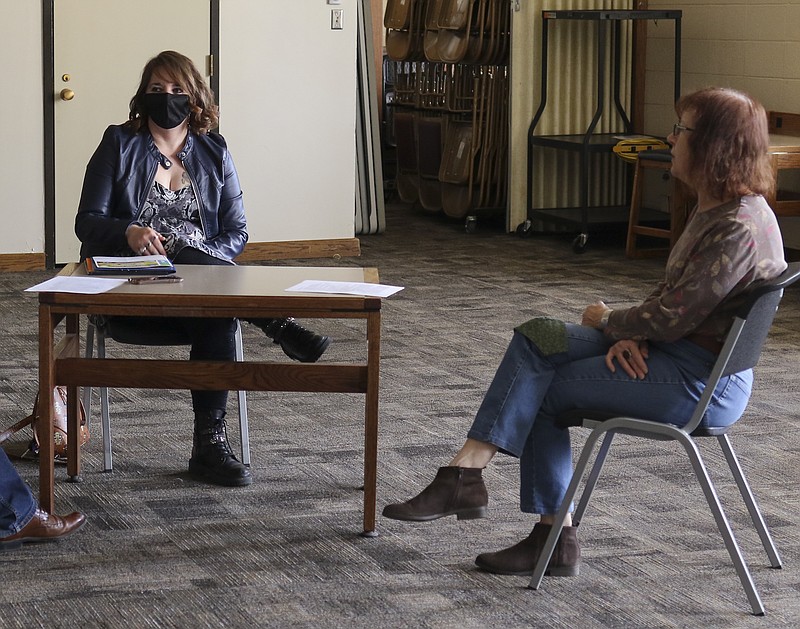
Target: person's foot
pixel 215 463
pixel 458 491
pixel 44 527
pixel 520 559
pixel 212 459
pixel 297 342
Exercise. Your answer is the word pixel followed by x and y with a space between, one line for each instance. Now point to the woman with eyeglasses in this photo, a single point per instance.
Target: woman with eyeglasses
pixel 649 361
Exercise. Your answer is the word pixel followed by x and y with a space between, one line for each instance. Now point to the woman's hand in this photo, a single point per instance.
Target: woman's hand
pixel 631 356
pixel 144 241
pixel 593 315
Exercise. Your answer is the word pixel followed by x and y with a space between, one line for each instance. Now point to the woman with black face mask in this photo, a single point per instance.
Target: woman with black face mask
pixel 164 183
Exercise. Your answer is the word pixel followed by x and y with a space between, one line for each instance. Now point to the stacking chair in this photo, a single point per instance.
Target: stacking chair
pixel 741 351
pixel 99 329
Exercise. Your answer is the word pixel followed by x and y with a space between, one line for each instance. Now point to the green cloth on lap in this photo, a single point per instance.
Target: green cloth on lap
pixel 549 335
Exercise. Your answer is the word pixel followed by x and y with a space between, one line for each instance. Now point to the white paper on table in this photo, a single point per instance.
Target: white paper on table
pixel 77 284
pixel 344 288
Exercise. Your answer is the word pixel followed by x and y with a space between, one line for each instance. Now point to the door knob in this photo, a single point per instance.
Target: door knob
pixel 67 94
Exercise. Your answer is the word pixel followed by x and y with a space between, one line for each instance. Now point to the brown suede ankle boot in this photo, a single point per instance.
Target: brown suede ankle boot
pixel 520 559
pixel 458 491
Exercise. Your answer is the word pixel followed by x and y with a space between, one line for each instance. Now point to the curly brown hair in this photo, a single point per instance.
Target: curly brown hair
pixel 204 113
pixel 729 142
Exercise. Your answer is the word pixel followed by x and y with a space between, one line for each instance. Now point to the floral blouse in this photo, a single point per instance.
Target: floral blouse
pixel 719 254
pixel 175 215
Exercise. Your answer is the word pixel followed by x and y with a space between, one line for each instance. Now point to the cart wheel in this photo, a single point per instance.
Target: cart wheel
pixel 580 243
pixel 525 229
pixel 471 224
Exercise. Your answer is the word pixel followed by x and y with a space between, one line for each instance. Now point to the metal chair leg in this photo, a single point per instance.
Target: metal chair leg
pixel 750 501
pixel 723 525
pixel 591 480
pixel 561 516
pixel 87 391
pixel 105 413
pixel 244 430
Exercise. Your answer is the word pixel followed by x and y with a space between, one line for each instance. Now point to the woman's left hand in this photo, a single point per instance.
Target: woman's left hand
pixel 631 356
pixel 593 315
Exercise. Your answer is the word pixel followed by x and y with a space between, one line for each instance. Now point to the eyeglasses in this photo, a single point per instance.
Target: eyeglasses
pixel 677 128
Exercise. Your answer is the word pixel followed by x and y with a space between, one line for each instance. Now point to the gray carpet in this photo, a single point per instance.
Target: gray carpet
pixel 160 550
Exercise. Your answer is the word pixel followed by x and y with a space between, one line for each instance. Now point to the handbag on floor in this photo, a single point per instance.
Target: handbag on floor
pixel 59 425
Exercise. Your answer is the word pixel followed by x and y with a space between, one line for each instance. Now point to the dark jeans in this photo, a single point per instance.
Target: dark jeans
pixel 210 339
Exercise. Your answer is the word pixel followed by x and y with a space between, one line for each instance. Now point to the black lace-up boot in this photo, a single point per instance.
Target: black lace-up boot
pixel 296 342
pixel 212 459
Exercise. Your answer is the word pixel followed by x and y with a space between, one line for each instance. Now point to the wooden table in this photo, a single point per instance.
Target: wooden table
pixel 784 153
pixel 207 291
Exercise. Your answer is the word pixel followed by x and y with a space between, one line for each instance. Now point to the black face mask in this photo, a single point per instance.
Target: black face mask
pixel 166 110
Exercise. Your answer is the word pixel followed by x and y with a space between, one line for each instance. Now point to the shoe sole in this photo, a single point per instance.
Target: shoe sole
pixel 37 540
pixel 562 571
pixel 462 514
pixel 202 475
pixel 312 357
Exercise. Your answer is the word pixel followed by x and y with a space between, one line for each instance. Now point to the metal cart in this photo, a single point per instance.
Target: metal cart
pixel 589 143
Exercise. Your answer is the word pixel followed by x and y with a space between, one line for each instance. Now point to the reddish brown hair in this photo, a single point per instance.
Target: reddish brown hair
pixel 204 113
pixel 729 142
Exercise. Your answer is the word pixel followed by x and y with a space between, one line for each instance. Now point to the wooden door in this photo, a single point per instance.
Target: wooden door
pixel 99 49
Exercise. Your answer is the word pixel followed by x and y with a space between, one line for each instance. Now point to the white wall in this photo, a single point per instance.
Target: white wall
pixel 298 178
pixel 287 110
pixel 21 161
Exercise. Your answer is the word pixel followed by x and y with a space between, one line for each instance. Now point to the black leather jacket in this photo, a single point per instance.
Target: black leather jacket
pixel 121 172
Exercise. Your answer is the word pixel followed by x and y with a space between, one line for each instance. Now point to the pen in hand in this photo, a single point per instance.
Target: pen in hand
pixel 169 279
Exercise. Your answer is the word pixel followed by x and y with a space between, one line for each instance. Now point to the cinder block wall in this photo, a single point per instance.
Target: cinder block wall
pixel 751 45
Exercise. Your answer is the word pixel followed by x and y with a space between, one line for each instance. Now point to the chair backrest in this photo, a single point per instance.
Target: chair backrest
pixel 747 335
pixel 757 313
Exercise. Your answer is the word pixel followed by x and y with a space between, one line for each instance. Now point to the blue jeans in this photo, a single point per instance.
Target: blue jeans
pixel 530 390
pixel 17 504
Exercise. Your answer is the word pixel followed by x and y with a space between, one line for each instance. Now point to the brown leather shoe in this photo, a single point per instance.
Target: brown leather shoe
pixel 458 491
pixel 520 559
pixel 45 527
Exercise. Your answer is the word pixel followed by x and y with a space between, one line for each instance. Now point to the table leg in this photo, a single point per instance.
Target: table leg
pixel 371 422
